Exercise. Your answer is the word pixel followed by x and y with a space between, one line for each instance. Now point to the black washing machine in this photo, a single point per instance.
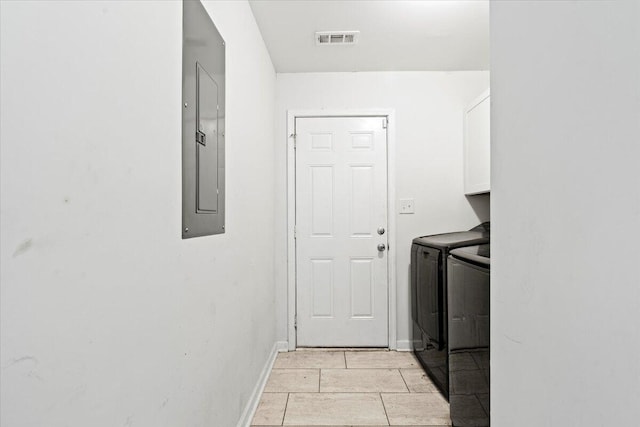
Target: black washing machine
pixel 429 298
pixel 468 312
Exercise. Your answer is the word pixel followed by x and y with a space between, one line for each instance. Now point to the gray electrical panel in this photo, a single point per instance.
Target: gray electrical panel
pixel 203 117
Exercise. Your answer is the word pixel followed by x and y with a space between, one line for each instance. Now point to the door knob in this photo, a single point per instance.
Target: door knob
pixel 381 230
pixel 382 247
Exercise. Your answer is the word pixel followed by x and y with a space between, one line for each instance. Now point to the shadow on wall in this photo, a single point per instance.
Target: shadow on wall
pixel 481 205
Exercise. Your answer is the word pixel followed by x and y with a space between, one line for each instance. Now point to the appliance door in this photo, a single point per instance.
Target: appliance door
pixel 469 367
pixel 468 305
pixel 429 294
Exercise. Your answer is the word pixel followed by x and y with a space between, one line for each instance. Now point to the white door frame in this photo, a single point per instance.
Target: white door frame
pixel 291 212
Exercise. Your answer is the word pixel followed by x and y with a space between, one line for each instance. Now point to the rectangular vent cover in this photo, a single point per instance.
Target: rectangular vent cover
pixel 325 38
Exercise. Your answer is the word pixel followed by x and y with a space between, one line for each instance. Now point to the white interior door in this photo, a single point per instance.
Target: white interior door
pixel 341 205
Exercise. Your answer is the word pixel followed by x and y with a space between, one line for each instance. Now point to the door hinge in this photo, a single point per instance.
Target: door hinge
pixel 295 232
pixel 295 321
pixel 385 122
pixel 293 135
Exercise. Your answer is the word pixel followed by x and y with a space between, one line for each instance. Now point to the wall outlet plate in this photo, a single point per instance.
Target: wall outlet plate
pixel 407 206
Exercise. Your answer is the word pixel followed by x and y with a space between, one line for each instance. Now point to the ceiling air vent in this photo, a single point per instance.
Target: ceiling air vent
pixel 326 38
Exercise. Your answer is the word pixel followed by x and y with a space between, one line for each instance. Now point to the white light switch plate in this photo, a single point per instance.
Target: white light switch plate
pixel 406 206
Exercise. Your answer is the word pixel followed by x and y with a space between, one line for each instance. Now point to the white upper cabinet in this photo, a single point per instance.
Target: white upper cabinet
pixel 477 146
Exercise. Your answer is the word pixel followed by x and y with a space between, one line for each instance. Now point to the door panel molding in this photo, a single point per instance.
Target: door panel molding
pixel 359 143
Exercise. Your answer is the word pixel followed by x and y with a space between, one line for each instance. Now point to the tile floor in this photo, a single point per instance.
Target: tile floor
pixel 337 387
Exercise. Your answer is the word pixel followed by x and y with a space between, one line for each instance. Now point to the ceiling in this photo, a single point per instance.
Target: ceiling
pixel 418 35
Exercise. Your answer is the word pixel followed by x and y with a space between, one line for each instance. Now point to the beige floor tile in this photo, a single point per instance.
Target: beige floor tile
pixel 416 409
pixel 331 409
pixel 418 381
pixel 381 359
pixel 310 359
pixel 270 410
pixel 361 380
pixel 293 380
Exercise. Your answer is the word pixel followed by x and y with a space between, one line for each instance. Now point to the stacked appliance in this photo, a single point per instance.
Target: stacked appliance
pixel 429 280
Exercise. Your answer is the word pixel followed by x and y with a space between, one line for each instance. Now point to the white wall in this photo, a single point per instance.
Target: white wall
pixel 565 213
pixel 108 317
pixel 429 113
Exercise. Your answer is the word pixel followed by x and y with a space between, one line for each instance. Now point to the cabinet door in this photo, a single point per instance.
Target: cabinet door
pixel 477 146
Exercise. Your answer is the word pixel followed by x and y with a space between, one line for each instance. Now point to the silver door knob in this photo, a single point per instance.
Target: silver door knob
pixel 381 230
pixel 382 247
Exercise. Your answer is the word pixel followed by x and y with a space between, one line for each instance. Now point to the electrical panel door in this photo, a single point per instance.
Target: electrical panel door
pixel 203 116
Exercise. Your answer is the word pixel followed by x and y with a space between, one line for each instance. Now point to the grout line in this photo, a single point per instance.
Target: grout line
pixel 347 392
pixel 377 367
pixel 344 354
pixel 405 393
pixel 405 381
pixel 385 409
pixel 319 378
pixel 284 414
pixel 339 349
pixel 285 369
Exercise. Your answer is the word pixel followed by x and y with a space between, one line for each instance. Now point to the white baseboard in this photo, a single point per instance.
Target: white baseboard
pixel 254 400
pixel 282 346
pixel 404 345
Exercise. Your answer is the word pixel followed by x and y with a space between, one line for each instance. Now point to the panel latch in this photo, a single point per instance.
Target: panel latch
pixel 201 138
